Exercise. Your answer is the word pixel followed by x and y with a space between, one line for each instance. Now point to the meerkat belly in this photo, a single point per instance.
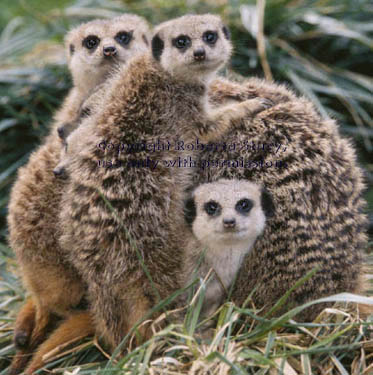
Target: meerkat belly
pixel 225 261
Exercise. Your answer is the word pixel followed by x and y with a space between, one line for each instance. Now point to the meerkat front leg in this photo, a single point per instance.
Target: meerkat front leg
pixel 220 120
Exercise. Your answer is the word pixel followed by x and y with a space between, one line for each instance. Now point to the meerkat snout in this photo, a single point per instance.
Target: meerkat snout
pixel 229 223
pixel 109 51
pixel 199 54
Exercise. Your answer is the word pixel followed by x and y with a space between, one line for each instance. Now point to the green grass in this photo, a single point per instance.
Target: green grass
pixel 322 49
pixel 337 341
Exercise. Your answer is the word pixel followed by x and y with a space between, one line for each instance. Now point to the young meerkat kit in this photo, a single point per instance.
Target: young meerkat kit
pixel 94 49
pixel 150 99
pixel 226 218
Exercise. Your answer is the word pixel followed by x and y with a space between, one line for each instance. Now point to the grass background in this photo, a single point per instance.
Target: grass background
pixel 322 49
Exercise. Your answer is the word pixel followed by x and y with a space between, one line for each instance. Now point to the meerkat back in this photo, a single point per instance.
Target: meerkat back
pixel 301 159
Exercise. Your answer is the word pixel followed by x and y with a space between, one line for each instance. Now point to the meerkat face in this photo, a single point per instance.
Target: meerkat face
pixel 71 146
pixel 95 47
pixel 192 46
pixel 228 211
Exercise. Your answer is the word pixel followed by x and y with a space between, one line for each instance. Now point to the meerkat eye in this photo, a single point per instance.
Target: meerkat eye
pixel 123 37
pixel 210 37
pixel 182 41
pixel 91 41
pixel 244 206
pixel 212 208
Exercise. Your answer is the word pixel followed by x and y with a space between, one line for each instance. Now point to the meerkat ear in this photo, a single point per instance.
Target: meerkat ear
pixel 190 211
pixel 226 33
pixel 145 39
pixel 267 203
pixel 72 49
pixel 157 46
pixel 66 129
pixel 84 112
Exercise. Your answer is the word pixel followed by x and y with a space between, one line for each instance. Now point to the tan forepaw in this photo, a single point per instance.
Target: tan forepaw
pixel 256 105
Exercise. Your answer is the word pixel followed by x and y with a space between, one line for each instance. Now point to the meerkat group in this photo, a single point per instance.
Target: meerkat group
pixel 98 234
pixel 161 103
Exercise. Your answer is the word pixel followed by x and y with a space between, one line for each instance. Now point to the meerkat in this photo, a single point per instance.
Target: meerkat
pixel 226 218
pixel 112 216
pixel 316 187
pixel 94 50
pixel 87 109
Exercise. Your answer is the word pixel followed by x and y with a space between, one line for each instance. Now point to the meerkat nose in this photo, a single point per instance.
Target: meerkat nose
pixel 110 51
pixel 229 223
pixel 59 172
pixel 199 54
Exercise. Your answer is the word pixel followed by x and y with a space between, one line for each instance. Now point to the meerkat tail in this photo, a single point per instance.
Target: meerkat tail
pixel 76 327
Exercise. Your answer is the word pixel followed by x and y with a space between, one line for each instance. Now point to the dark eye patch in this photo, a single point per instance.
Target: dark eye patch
pixel 210 37
pixel 226 33
pixel 267 203
pixel 190 210
pixel 157 47
pixel 72 49
pixel 182 42
pixel 212 208
pixel 124 37
pixel 91 42
pixel 244 206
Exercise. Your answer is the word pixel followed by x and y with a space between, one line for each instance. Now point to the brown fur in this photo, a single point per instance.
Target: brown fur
pixel 35 197
pixel 94 237
pixel 75 327
pixel 144 103
pixel 318 220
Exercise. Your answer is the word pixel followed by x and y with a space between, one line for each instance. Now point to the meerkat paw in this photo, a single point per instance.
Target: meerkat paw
pixel 25 324
pixel 22 338
pixel 220 120
pixel 256 105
